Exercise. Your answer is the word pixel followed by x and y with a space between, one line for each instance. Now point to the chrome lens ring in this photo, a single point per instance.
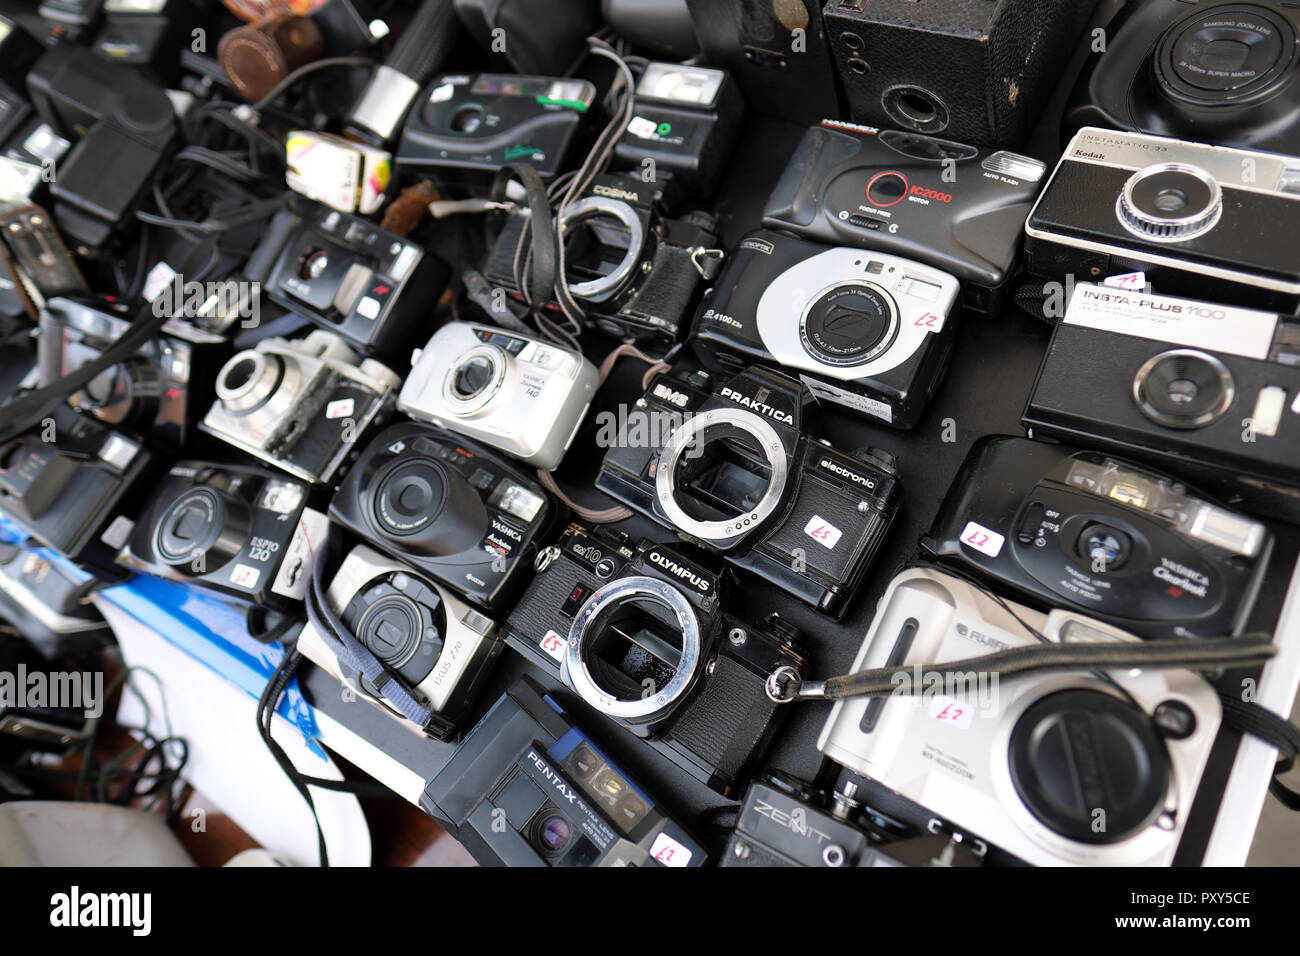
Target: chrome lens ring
pixel 1148 224
pixel 601 206
pixel 496 358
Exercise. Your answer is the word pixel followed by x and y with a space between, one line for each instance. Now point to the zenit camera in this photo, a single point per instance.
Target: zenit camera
pixel 1030 765
pixel 737 469
pixel 522 395
pixel 642 635
pixel 867 331
pixel 1082 530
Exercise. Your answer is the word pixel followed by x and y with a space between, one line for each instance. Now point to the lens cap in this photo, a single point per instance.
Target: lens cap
pixel 849 325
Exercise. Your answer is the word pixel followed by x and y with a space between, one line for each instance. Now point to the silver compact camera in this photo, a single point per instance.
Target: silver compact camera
pixel 522 395
pixel 300 405
pixel 1056 769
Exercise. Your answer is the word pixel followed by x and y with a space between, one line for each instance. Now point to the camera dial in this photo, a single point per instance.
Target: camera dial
pixel 1183 388
pixel 1170 202
pixel 850 323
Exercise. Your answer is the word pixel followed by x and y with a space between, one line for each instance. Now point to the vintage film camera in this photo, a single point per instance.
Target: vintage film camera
pixel 736 469
pixel 300 405
pixel 453 509
pixel 867 331
pixel 642 634
pixel 149 34
pixel 562 801
pixel 438 646
pixel 955 207
pixel 1026 764
pixel 1202 221
pixel 1209 391
pixel 243 533
pixel 522 395
pixel 1078 529
pixel 47 601
pixel 1215 71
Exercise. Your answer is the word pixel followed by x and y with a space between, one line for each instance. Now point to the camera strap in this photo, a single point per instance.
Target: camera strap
pixel 1250 717
pixel 545 241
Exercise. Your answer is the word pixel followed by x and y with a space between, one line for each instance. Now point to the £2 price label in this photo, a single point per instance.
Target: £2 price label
pixel 982 539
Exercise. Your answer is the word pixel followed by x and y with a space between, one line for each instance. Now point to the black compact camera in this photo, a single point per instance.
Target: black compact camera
pixel 1088 532
pixel 528 788
pixel 1216 71
pixel 976 71
pixel 347 275
pixel 736 468
pixel 955 207
pixel 452 508
pixel 635 271
pixel 642 634
pixel 867 331
pixel 244 533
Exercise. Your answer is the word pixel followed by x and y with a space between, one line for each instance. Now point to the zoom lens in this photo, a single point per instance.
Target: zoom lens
pixel 201 530
pixel 849 324
pixel 1170 202
pixel 470 378
pixel 1183 388
pixel 1226 55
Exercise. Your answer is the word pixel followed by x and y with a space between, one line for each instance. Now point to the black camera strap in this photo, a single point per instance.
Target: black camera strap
pixel 545 242
pixel 1250 717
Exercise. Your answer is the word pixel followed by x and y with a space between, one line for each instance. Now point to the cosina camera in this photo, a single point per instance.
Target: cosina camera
pixel 1030 765
pixel 300 405
pixel 642 635
pixel 736 468
pixel 450 507
pixel 522 395
pixel 867 331
pixel 1082 530
pixel 562 801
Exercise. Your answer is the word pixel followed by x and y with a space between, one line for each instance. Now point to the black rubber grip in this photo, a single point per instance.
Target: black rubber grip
pixel 425 43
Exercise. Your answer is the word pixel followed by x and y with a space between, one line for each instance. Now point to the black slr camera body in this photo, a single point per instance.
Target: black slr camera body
pixel 642 635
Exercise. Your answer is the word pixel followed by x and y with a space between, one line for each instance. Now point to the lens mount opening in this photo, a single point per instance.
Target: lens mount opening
pixel 589 213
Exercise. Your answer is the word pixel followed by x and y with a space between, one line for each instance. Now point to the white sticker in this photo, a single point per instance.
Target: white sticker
pixel 1295 406
pixel 1133 281
pixel 841 396
pixel 442 93
pixel 339 409
pixel 118 451
pixel 553 644
pixel 244 576
pixel 982 539
pixel 822 531
pixel 368 308
pixel 669 852
pixel 640 126
pixel 300 557
pixel 950 711
pixel 156 282
pixel 117 532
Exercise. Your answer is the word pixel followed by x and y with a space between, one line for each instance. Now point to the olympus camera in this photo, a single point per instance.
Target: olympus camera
pixel 643 636
pixel 1057 769
pixel 736 468
pixel 300 405
pixel 867 331
pixel 522 395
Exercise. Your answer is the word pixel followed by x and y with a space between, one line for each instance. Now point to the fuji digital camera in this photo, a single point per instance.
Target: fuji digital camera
pixel 528 788
pixel 1085 531
pixel 522 395
pixel 450 507
pixel 1203 221
pixel 642 635
pixel 955 207
pixel 435 644
pixel 736 468
pixel 1026 764
pixel 867 331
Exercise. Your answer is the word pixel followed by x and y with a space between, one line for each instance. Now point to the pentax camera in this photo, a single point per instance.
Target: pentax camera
pixel 635 272
pixel 522 395
pixel 300 405
pixel 864 330
pixel 453 509
pixel 1210 391
pixel 736 469
pixel 1031 764
pixel 1085 531
pixel 957 208
pixel 243 533
pixel 1215 71
pixel 1203 221
pixel 528 788
pixel 643 636
pixel 347 275
pixel 438 646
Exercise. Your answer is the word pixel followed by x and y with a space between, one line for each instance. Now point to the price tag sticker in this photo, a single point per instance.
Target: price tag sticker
pixel 553 644
pixel 982 539
pixel 244 576
pixel 669 852
pixel 1132 281
pixel 950 711
pixel 339 409
pixel 823 532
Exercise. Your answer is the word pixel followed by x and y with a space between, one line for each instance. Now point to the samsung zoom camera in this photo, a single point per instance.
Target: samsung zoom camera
pixel 643 635
pixel 735 469
pixel 1082 530
pixel 866 331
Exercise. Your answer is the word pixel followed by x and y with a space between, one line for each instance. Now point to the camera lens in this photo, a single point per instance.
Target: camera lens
pixel 551 833
pixel 391 628
pixel 472 377
pixel 200 530
pixel 1226 55
pixel 1183 388
pixel 916 109
pixel 849 324
pixel 1103 545
pixel 410 496
pixel 1170 202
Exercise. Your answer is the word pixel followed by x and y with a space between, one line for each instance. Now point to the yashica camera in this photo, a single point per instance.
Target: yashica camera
pixel 527 787
pixel 1078 529
pixel 243 533
pixel 435 644
pixel 1202 221
pixel 1209 391
pixel 634 271
pixel 954 207
pixel 301 405
pixel 735 468
pixel 522 395
pixel 1215 71
pixel 452 508
pixel 643 635
pixel 1029 765
pixel 864 330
